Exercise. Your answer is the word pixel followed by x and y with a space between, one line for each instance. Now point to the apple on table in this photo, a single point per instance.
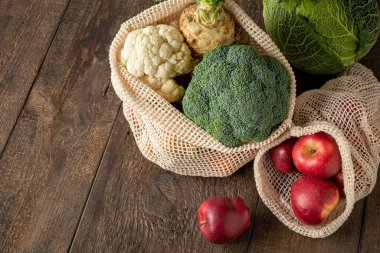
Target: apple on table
pixel 223 219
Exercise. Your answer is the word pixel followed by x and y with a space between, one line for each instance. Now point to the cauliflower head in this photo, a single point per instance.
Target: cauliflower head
pixel 157 54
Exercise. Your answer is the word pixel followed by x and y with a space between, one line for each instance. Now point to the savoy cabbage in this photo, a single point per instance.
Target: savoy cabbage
pixel 322 36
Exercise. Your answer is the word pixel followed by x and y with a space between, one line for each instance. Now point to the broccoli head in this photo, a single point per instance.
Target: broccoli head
pixel 237 95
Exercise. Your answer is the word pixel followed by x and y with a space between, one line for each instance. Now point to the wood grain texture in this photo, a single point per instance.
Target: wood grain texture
pixel 370 232
pixel 270 235
pixel 135 206
pixel 26 31
pixel 48 167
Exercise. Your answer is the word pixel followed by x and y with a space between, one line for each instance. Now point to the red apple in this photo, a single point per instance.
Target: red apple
pixel 317 155
pixel 282 156
pixel 222 219
pixel 338 179
pixel 313 199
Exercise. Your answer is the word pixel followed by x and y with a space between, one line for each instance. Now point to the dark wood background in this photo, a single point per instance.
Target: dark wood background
pixel 71 175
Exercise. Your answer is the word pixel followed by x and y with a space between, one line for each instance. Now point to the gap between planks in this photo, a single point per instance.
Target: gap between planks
pixel 362 225
pixel 253 216
pixel 35 78
pixel 94 179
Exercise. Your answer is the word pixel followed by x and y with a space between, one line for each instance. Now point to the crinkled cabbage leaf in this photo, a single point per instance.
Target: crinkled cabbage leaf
pixel 322 36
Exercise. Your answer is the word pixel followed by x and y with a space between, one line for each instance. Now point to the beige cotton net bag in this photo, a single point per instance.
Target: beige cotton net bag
pixel 352 103
pixel 163 134
pixel 347 108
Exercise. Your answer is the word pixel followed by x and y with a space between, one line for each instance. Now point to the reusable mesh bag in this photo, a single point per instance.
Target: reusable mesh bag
pixel 352 103
pixel 347 108
pixel 274 186
pixel 163 134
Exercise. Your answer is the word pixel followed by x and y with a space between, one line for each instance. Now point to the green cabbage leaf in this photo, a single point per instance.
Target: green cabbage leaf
pixel 322 36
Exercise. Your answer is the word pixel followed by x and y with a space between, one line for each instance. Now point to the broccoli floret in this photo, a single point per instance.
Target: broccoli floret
pixel 237 95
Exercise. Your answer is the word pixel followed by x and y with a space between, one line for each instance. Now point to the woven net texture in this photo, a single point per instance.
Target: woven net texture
pixel 163 134
pixel 347 108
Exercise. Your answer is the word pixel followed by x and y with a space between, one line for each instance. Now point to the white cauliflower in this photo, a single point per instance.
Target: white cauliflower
pixel 157 54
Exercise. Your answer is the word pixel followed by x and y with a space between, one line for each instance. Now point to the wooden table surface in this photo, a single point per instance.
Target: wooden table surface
pixel 71 175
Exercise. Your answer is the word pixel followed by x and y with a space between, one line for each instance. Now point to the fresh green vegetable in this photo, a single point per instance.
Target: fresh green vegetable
pixel 206 25
pixel 322 36
pixel 238 95
pixel 209 10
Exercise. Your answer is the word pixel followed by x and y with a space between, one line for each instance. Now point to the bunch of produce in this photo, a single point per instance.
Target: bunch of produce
pixel 235 94
pixel 315 194
pixel 240 96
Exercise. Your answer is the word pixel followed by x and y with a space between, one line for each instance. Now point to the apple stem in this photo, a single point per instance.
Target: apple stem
pixel 202 223
pixel 312 150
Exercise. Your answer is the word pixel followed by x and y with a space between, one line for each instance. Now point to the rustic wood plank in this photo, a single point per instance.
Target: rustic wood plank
pixel 26 31
pixel 270 235
pixel 50 161
pixel 135 206
pixel 370 233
